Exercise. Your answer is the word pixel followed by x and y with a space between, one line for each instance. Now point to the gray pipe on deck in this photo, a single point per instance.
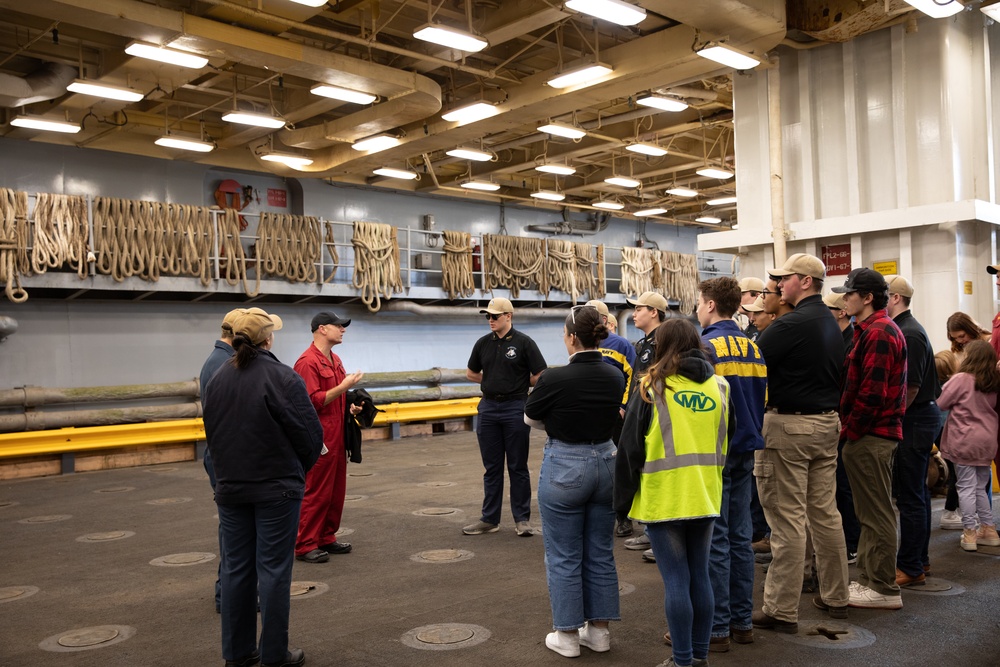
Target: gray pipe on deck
pixel 40 421
pixel 30 397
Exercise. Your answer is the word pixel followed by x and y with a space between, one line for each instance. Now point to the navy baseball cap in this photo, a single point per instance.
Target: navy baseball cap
pixel 328 317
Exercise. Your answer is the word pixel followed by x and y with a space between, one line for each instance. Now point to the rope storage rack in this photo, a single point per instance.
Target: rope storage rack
pixel 73 243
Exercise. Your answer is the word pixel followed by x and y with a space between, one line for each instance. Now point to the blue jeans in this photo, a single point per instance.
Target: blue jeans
pixel 504 435
pixel 731 561
pixel 258 550
pixel 913 498
pixel 682 549
pixel 578 522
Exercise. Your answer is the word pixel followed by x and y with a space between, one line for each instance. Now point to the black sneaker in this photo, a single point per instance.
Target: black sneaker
pixel 852 557
pixel 314 556
pixel 335 548
pixel 249 661
pixel 624 528
pixel 294 658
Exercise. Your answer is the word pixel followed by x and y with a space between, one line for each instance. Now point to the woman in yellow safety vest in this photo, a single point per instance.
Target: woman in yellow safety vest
pixel 668 475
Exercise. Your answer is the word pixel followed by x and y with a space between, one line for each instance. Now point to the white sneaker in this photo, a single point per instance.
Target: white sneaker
pixel 951 520
pixel 595 638
pixel 524 529
pixel 638 543
pixel 866 598
pixel 564 643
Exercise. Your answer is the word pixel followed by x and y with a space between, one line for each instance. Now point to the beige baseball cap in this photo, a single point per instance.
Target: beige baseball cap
pixel 652 300
pixel 993 268
pixel 803 264
pixel 899 285
pixel 751 285
pixel 833 300
pixel 256 324
pixel 755 307
pixel 601 307
pixel 227 321
pixel 498 306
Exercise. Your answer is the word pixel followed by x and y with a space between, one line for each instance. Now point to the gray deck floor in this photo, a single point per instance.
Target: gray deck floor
pixel 377 596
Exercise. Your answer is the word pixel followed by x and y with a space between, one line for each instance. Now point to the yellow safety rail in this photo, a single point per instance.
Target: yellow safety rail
pixel 64 440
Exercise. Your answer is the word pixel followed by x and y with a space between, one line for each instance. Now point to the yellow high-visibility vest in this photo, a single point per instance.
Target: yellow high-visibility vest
pixel 686 446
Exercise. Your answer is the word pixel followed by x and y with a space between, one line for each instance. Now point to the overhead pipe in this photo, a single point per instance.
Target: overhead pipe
pixel 46 83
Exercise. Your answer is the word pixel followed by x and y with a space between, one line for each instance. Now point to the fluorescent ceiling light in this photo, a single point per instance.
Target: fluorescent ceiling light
pixel 389 172
pixel 548 195
pixel 993 11
pixel 614 11
pixel 609 205
pixel 730 57
pixel 293 160
pixel 470 113
pixel 310 3
pixel 662 103
pixel 255 119
pixel 473 184
pixel 721 201
pixel 646 149
pixel 104 90
pixel 649 211
pixel 589 73
pixel 561 169
pixel 466 153
pixel 710 219
pixel 938 10
pixel 342 94
pixel 623 182
pixel 450 37
pixel 682 192
pixel 36 123
pixel 165 55
pixel 185 143
pixel 713 172
pixel 376 143
pixel 563 130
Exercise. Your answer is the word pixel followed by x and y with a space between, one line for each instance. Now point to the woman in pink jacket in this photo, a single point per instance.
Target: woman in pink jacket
pixel 970 439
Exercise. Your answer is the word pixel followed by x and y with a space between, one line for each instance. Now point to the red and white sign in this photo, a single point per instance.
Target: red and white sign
pixel 837 259
pixel 277 197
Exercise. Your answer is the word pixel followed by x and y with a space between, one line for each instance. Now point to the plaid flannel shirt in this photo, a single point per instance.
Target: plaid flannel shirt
pixel 874 396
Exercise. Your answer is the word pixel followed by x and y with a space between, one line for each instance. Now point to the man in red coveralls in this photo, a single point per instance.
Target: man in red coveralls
pixel 993 269
pixel 326 482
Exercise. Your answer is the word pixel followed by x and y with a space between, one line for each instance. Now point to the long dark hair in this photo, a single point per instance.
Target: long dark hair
pixel 246 351
pixel 961 322
pixel 673 339
pixel 586 324
pixel 981 363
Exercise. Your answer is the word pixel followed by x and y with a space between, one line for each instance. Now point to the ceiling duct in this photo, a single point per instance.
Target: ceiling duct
pixel 46 83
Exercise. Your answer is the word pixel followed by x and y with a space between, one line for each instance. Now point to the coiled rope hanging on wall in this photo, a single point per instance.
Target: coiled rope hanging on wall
pixel 376 263
pixel 586 279
pixel 232 258
pixel 289 246
pixel 560 269
pixel 456 265
pixel 641 271
pixel 513 262
pixel 680 278
pixel 60 233
pixel 14 259
pixel 601 274
pixel 330 242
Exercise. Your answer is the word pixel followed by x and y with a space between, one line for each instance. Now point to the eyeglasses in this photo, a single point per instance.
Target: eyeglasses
pixel 767 291
pixel 491 316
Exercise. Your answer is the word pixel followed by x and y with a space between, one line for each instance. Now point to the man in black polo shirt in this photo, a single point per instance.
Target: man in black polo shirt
pixel 796 470
pixel 506 363
pixel 920 424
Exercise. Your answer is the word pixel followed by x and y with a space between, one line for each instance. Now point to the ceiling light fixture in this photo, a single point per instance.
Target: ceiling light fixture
pixel 467 153
pixel 36 123
pixel 585 74
pixel 376 143
pixel 104 90
pixel 991 10
pixel 721 201
pixel 614 11
pixel 293 160
pixel 451 37
pixel 563 130
pixel 646 149
pixel 475 184
pixel 390 172
pixel 649 211
pixel 165 55
pixel 623 182
pixel 185 143
pixel 310 3
pixel 710 219
pixel 607 204
pixel 255 119
pixel 470 113
pixel 733 57
pixel 548 195
pixel 937 10
pixel 560 169
pixel 682 192
pixel 342 94
pixel 715 172
pixel 662 103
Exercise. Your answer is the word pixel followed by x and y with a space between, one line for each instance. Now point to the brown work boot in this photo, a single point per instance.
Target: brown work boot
pixel 904 579
pixel 763 545
pixel 762 620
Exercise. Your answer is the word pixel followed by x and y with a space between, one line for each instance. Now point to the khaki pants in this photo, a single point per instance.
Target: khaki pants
pixel 796 481
pixel 868 462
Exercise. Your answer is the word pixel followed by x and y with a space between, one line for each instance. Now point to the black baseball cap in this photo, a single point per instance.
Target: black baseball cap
pixel 868 281
pixel 328 317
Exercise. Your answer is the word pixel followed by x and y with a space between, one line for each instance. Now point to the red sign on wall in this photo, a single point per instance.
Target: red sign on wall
pixel 277 197
pixel 837 259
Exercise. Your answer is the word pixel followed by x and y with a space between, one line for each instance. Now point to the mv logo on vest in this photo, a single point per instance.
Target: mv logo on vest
pixel 695 401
